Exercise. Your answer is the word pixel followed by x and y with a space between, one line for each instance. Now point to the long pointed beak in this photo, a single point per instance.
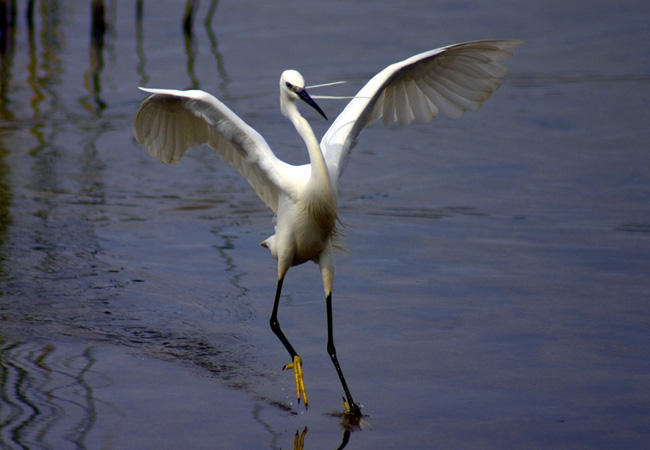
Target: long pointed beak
pixel 304 96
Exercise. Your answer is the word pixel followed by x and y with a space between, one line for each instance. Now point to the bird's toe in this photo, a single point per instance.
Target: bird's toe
pixel 296 366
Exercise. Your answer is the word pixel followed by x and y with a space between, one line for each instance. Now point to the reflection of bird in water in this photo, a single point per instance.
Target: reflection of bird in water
pixel 299 440
pixel 450 79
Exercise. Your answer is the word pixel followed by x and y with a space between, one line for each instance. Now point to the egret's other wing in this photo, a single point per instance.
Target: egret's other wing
pixel 171 122
pixel 450 79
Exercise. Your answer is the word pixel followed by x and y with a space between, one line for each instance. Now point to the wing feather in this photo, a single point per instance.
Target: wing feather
pixel 451 79
pixel 171 122
pixel 422 105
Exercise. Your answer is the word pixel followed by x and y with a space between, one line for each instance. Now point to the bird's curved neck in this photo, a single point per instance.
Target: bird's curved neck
pixel 319 197
pixel 318 167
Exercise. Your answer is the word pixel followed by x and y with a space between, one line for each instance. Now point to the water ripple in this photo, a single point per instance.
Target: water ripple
pixel 45 399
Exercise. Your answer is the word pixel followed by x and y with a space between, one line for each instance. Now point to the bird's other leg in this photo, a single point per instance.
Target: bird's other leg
pixel 352 408
pixel 296 361
pixel 326 264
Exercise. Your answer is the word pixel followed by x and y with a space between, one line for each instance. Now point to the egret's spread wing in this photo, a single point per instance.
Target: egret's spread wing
pixel 450 79
pixel 171 122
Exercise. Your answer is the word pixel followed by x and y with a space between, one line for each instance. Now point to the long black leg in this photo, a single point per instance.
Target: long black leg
pixel 275 325
pixel 296 362
pixel 355 411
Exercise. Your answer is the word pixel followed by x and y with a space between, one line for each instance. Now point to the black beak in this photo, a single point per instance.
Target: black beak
pixel 304 96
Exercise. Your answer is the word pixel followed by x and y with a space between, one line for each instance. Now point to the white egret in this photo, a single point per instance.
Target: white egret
pixel 450 79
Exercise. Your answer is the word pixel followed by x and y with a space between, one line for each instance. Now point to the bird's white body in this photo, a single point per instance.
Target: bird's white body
pixel 307 207
pixel 450 79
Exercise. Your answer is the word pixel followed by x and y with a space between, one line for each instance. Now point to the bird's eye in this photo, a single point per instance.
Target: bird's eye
pixel 289 85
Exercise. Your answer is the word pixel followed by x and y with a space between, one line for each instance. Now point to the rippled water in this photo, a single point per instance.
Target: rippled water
pixel 494 292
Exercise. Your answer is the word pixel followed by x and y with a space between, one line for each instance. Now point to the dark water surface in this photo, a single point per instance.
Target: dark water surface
pixel 495 289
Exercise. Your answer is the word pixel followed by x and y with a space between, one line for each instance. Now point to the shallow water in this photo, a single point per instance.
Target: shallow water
pixel 494 292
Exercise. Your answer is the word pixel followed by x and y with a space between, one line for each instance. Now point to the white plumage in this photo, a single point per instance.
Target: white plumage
pixel 451 80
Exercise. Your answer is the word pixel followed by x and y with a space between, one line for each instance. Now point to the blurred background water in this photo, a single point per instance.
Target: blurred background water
pixel 495 289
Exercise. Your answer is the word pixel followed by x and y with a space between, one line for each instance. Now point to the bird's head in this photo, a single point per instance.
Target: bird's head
pixel 292 88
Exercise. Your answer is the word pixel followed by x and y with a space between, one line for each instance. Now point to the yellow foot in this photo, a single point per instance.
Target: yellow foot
pixel 296 365
pixel 352 412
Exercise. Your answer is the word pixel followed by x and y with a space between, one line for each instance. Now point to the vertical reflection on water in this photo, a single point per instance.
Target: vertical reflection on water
pixel 7 30
pixel 32 76
pixel 214 46
pixel 29 14
pixel 45 70
pixel 52 43
pixel 142 60
pixel 34 80
pixel 190 47
pixel 44 397
pixel 190 41
pixel 92 78
pixel 7 25
pixel 7 34
pixel 5 203
pixel 52 250
pixel 91 189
